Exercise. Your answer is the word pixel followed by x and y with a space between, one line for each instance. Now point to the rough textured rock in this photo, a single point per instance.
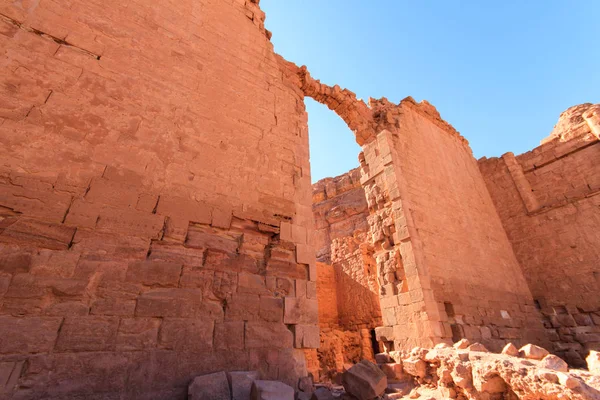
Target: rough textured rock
pixel 533 352
pixel 364 381
pixel 210 387
pixel 271 390
pixel 241 383
pixel 485 376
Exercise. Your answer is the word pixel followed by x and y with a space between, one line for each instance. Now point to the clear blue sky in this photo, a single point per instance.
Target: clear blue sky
pixel 501 72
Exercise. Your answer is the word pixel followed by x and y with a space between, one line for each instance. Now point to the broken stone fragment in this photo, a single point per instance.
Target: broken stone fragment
pixel 210 387
pixel 322 394
pixel 478 347
pixel 533 352
pixel 383 358
pixel 415 367
pixel 365 381
pixel 510 350
pixel 271 390
pixel 393 371
pixel 241 383
pixel 554 363
pixel 593 362
pixel 462 344
pixel 568 380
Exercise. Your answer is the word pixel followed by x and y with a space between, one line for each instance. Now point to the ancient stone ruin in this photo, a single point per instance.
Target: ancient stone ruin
pixel 160 236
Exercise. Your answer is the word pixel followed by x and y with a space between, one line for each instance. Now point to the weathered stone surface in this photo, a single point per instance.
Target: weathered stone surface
pixel 210 387
pixel 554 363
pixel 364 380
pixel 510 350
pixel 322 394
pixel 533 352
pixel 271 390
pixel 241 383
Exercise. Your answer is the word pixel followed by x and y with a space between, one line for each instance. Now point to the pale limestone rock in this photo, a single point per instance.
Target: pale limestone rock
pixel 533 352
pixel 210 387
pixel 462 344
pixel 510 350
pixel 364 380
pixel 593 362
pixel 415 367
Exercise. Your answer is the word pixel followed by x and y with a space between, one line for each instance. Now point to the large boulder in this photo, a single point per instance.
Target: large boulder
pixel 210 387
pixel 241 383
pixel 271 390
pixel 365 381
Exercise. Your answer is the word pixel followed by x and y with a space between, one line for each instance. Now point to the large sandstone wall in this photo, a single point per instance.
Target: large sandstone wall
pixel 548 200
pixel 464 251
pixel 155 199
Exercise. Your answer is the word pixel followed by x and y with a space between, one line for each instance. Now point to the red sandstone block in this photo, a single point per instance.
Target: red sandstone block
pixel 88 334
pixel 220 261
pixel 83 214
pixel 154 273
pixel 186 334
pixel 130 222
pixel 25 286
pixel 306 336
pixel 103 246
pixel 305 254
pixel 137 334
pixel 251 283
pixel 67 309
pixel 208 238
pixel 176 229
pixel 188 209
pixel 162 251
pixel 60 264
pixel 298 310
pixel 14 259
pixel 221 218
pixel 271 309
pixel 181 303
pixel 28 335
pixel 113 307
pixel 268 334
pixel 254 243
pixel 103 191
pixel 243 307
pixel 147 202
pixel 229 336
pixel 290 270
pixel 37 233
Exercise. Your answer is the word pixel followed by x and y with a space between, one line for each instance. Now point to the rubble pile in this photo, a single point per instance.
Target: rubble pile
pixel 465 371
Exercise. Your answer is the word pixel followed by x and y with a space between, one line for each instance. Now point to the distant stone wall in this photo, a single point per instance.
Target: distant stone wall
pixel 155 200
pixel 347 287
pixel 549 202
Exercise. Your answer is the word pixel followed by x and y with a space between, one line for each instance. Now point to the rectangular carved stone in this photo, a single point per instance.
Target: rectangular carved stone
pixel 184 303
pixel 267 334
pixel 38 233
pixel 186 334
pixel 300 310
pixel 229 335
pixel 88 334
pixel 137 334
pixel 154 273
pixel 28 335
